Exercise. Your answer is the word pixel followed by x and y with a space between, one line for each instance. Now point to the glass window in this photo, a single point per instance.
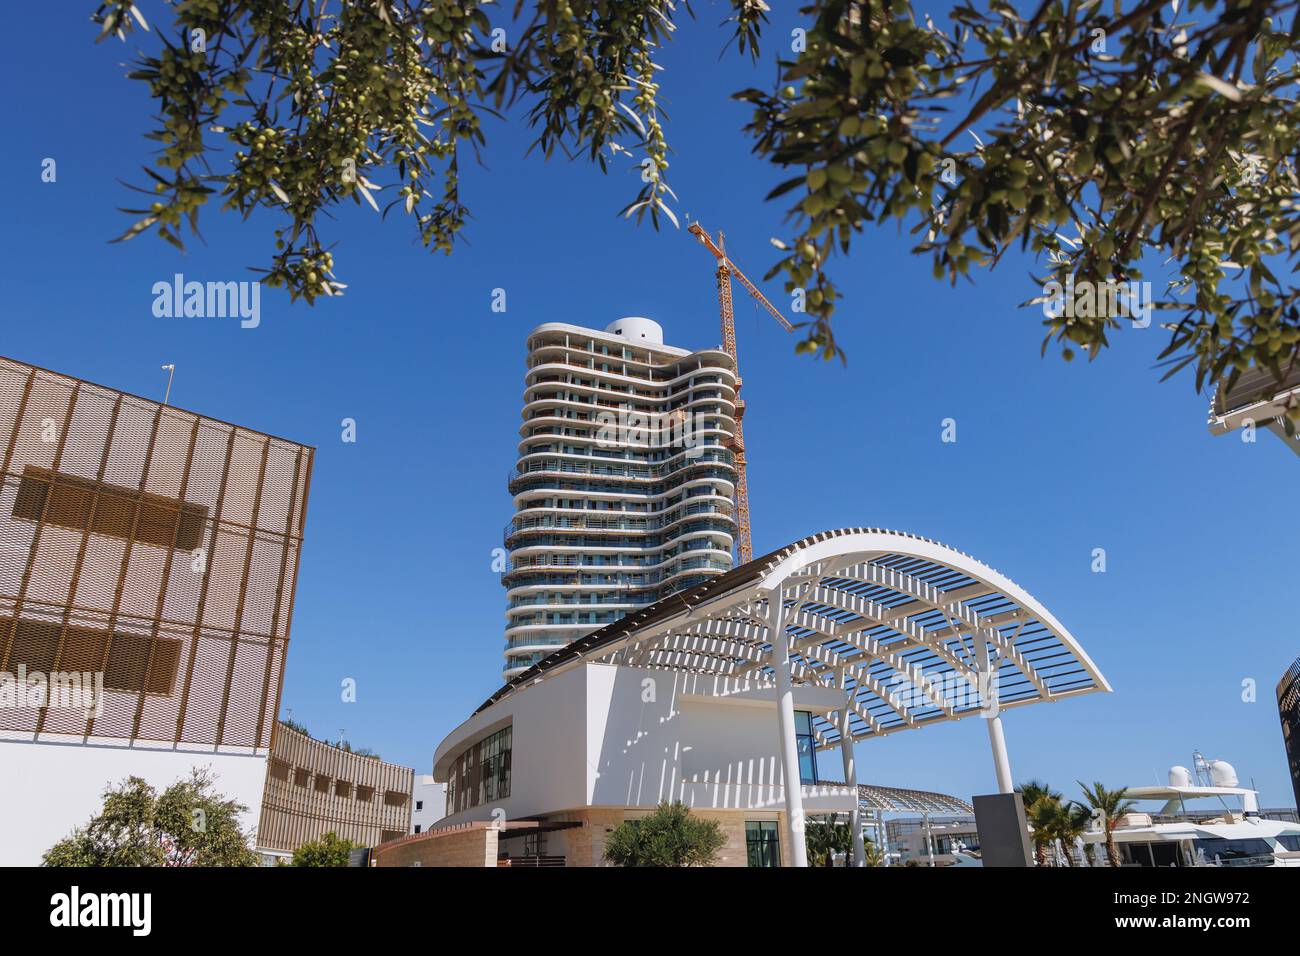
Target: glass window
pixel 803 733
pixel 1233 849
pixel 481 774
pixel 762 844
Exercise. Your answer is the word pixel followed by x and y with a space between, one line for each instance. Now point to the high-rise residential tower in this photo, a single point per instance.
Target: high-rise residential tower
pixel 623 491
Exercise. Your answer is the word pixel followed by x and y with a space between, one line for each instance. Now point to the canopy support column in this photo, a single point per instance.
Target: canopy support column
pixel 1001 763
pixel 794 822
pixel 851 778
pixel 882 831
pixel 987 676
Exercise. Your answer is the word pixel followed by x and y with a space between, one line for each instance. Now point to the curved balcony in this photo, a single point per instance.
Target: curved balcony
pixel 518 528
pixel 665 375
pixel 583 399
pixel 530 644
pixel 622 489
pixel 559 603
pixel 574 564
pixel 559 464
pixel 580 536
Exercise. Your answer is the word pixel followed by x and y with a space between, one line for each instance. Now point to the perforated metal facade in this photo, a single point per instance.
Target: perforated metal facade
pixel 1288 709
pixel 152 545
pixel 314 788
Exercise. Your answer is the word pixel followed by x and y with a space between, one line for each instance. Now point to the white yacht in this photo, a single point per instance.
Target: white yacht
pixel 1206 820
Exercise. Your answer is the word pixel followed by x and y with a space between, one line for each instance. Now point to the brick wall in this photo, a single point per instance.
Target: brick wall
pixel 473 846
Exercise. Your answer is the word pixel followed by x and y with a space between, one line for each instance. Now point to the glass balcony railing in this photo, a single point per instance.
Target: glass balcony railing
pixel 535 641
pixel 560 466
pixel 611 540
pixel 599 522
pixel 514 577
pixel 625 600
pixel 559 483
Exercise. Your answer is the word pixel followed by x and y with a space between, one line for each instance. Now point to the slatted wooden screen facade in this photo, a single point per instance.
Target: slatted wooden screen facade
pixel 150 544
pixel 313 788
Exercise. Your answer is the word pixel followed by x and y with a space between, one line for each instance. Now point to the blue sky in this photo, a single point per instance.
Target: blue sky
pixel 396 588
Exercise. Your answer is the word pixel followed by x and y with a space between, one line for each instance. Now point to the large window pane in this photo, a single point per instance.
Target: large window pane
pixel 806 744
pixel 481 774
pixel 762 845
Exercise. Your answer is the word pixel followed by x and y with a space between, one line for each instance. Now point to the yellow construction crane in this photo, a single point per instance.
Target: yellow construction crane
pixel 726 269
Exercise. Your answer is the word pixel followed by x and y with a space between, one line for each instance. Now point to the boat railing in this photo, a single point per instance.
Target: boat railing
pixel 1259 859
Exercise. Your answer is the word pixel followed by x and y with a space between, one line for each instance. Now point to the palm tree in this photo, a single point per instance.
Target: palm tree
pixel 825 839
pixel 1110 805
pixel 874 856
pixel 1071 821
pixel 1042 804
pixel 1043 814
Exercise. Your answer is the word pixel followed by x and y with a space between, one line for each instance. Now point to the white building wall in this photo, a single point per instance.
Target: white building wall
pixel 601 735
pixel 428 802
pixel 548 757
pixel 656 735
pixel 49 788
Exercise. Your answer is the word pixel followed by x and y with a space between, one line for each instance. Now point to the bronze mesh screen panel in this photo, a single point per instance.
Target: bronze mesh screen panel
pixel 130 662
pixel 73 502
pixel 152 545
pixel 313 789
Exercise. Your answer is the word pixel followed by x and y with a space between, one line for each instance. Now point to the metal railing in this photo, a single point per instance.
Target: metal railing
pixel 714 455
pixel 534 861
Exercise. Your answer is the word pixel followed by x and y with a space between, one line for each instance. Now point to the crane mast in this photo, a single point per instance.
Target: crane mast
pixel 726 308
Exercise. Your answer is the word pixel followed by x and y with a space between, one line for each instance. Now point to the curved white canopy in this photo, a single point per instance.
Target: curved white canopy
pixel 908 631
pixel 897 800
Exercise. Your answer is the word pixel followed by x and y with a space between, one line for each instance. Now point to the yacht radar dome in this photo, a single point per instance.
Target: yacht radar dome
pixel 1223 774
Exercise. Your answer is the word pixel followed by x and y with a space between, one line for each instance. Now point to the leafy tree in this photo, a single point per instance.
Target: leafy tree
pixel 295 725
pixel 188 824
pixel 1131 126
pixel 329 850
pixel 75 849
pixel 824 839
pixel 1149 129
pixel 671 836
pixel 1110 805
pixel 347 748
pixel 339 744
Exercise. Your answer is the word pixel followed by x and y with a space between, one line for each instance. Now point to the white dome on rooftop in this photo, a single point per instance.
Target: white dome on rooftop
pixel 637 329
